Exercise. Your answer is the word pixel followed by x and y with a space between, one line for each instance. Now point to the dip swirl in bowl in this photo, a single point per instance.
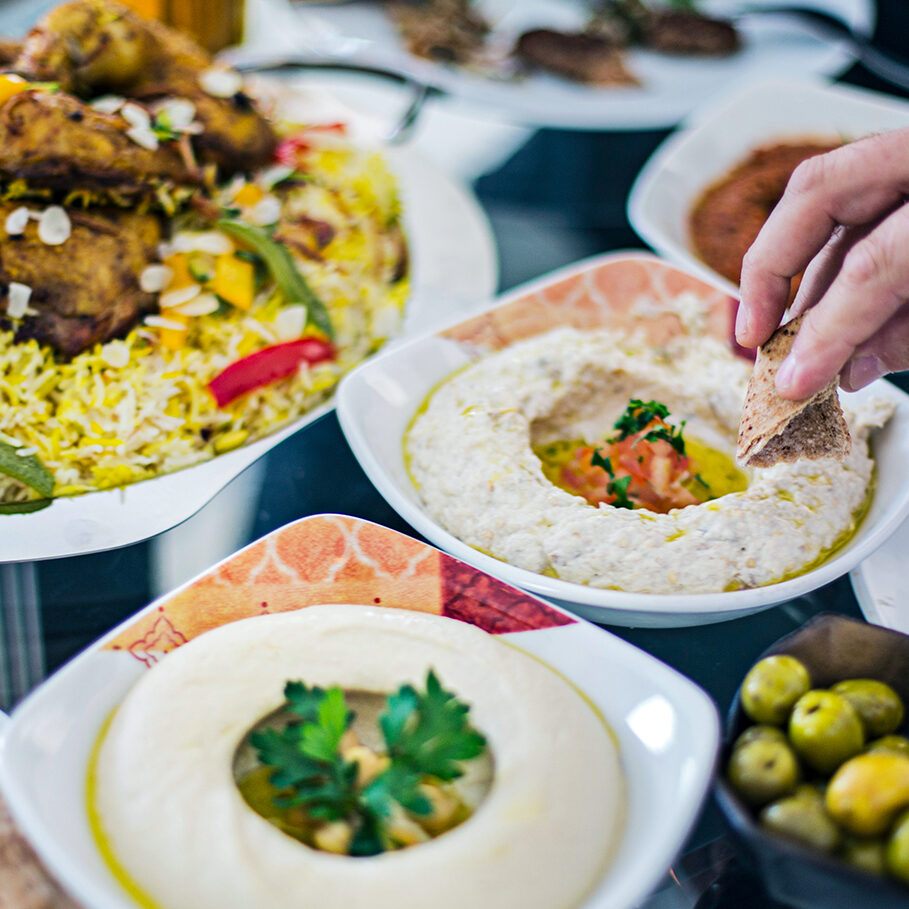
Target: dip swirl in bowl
pixel 472 453
pixel 167 805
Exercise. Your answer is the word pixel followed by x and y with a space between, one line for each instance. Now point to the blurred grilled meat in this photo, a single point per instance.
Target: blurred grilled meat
pixel 9 51
pixel 86 289
pixel 56 141
pixel 670 31
pixel 580 56
pixel 450 31
pixel 691 34
pixel 95 46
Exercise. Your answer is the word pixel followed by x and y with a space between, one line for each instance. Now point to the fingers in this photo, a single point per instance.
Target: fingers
pixel 887 350
pixel 852 185
pixel 870 288
pixel 824 267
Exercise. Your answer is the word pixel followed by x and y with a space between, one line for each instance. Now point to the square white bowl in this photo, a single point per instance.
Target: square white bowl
pixel 717 137
pixel 667 728
pixel 377 401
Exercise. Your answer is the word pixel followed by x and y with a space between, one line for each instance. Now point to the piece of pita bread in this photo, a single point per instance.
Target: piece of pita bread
pixel 774 429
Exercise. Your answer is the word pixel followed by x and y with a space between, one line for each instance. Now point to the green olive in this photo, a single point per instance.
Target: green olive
pixel 896 744
pixel 825 730
pixel 763 733
pixel 897 855
pixel 802 817
pixel 879 707
pixel 864 853
pixel 771 688
pixel 763 769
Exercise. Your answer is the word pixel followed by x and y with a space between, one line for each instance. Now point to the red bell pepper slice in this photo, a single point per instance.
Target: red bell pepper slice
pixel 288 150
pixel 266 366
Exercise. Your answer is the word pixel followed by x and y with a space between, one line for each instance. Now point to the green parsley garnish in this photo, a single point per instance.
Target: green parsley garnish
pixel 280 263
pixel 426 735
pixel 640 414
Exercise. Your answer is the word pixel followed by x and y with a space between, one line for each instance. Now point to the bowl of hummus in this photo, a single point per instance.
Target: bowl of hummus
pixel 578 439
pixel 341 713
pixel 762 129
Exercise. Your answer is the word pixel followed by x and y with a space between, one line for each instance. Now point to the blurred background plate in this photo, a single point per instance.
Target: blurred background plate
pixel 670 86
pixel 723 133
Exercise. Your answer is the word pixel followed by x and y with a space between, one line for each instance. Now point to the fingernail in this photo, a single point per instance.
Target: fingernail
pixel 863 371
pixel 741 322
pixel 785 375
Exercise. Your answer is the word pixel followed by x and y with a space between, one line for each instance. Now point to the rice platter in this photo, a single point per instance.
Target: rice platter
pixel 207 281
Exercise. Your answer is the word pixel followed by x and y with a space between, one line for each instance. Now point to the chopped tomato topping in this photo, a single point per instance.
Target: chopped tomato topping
pixel 646 473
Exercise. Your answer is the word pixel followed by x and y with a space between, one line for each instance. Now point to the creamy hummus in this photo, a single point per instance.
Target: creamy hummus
pixel 176 822
pixel 470 453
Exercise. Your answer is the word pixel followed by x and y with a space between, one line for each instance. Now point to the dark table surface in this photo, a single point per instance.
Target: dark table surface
pixel 560 198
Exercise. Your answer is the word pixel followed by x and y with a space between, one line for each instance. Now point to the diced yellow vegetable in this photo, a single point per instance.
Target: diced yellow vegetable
pixel 11 84
pixel 230 440
pixel 248 194
pixel 235 281
pixel 174 338
pixel 179 265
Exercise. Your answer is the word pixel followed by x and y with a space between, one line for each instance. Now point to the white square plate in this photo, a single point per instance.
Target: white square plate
pixel 377 401
pixel 666 727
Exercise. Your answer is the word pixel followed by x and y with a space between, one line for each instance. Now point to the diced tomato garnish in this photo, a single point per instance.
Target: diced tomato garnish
pixel 658 472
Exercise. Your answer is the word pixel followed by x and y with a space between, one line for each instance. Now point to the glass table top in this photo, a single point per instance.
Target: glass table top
pixel 560 198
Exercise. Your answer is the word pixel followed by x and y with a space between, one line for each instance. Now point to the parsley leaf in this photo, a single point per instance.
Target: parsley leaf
pixel 322 739
pixel 619 488
pixel 599 460
pixel 426 734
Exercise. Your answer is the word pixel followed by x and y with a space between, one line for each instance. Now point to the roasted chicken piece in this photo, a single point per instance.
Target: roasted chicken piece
pixel 92 47
pixel 9 51
pixel 85 289
pixel 54 140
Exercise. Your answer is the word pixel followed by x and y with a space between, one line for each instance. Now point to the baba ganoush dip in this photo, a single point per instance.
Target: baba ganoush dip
pixel 171 814
pixel 473 453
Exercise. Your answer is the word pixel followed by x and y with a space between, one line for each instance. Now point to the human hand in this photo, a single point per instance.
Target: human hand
pixel 844 220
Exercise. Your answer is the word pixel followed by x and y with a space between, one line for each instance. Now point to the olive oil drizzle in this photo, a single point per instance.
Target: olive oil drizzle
pixel 102 841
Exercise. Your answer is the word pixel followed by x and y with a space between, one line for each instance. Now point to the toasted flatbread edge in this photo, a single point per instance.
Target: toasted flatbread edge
pixel 776 429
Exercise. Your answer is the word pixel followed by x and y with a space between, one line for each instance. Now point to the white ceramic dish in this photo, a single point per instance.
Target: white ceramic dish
pixel 880 585
pixel 378 399
pixel 670 86
pixel 720 135
pixel 667 728
pixel 446 277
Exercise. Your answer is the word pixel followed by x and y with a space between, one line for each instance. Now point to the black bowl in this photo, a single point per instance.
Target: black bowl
pixel 833 648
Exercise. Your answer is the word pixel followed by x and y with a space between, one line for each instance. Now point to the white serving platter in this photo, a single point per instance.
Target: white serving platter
pixel 665 726
pixel 446 276
pixel 719 135
pixel 377 401
pixel 670 86
pixel 880 585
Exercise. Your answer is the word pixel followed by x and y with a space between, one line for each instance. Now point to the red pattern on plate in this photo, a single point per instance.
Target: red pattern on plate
pixel 331 559
pixel 481 600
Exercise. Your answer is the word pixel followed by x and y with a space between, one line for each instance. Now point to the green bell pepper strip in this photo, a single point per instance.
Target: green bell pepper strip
pixel 26 469
pixel 287 276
